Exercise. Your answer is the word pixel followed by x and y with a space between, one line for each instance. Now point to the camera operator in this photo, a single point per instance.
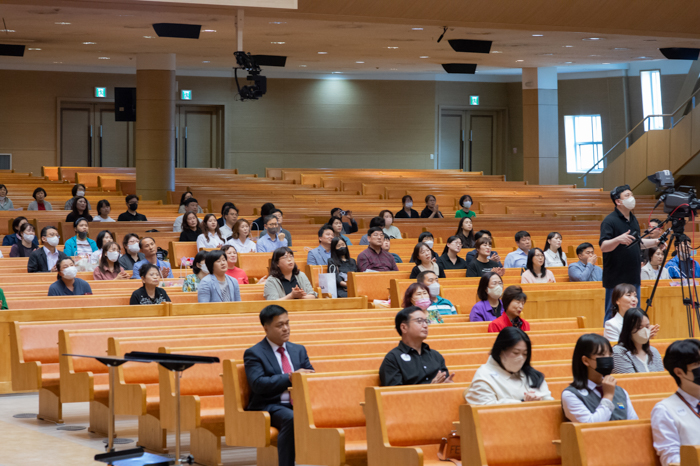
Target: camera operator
pixel 620 229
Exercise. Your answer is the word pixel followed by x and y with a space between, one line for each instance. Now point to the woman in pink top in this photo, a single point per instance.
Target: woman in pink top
pixel 536 271
pixel 233 271
pixel 109 268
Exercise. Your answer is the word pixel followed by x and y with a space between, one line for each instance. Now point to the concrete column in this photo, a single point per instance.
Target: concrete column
pixel 155 125
pixel 540 126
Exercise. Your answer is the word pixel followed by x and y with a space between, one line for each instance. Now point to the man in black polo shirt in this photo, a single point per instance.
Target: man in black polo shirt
pixel 132 203
pixel 619 229
pixel 413 362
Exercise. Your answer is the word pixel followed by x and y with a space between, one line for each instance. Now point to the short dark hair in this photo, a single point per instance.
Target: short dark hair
pixel 376 222
pixel 681 354
pixel 387 237
pixel 385 211
pixel 630 324
pixel 146 267
pixel 334 210
pixel 211 257
pixel 276 211
pixel 182 198
pixel 268 313
pixel 481 241
pixel 374 230
pixel 582 247
pixel 126 238
pixel 74 190
pixel 130 197
pixel 427 198
pixel 617 191
pixel 650 253
pixel 45 230
pixel 101 238
pixel 406 197
pixel 513 293
pixel 404 315
pixel 324 228
pixel 37 190
pixel 655 220
pixel 3 186
pixel 587 345
pixel 274 263
pixel 520 235
pixel 266 209
pixel 267 218
pixel 226 207
pixel 16 222
pixel 416 252
pixel 462 199
pixel 101 204
pixel 335 256
pixel 188 201
pixel 508 338
pixel 144 239
pixel 199 257
pixel 481 233
pixel 420 278
pixel 425 234
pixel 481 292
pixel 412 288
pixel 25 227
pixel 78 220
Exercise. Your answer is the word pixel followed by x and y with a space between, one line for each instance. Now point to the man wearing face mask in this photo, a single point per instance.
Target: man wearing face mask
pixel 621 264
pixel 68 284
pixel 132 203
pixel 45 259
pixel 675 421
pixel 439 304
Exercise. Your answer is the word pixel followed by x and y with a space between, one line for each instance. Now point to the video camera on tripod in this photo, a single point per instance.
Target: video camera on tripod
pixel 677 204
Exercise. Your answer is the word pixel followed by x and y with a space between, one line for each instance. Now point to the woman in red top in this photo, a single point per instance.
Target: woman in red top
pixel 513 302
pixel 233 271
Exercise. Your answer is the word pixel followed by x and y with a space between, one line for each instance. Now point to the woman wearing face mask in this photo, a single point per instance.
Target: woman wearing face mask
pixel 388 226
pixel 652 268
pixel 465 202
pixel 211 236
pixel 624 297
pixel 199 267
pixel 67 284
pixel 423 257
pixel 489 292
pixel 337 225
pixel 132 252
pixel 109 268
pixel 418 294
pixel 233 271
pixel 449 259
pixel 633 352
pixel 594 395
pixel 26 245
pixel 513 304
pixel 78 190
pixel 536 271
pixel 507 377
pixel 553 254
pixel 103 237
pixel 149 293
pixel 80 210
pixel 80 244
pixel 465 232
pixel 407 211
pixel 341 264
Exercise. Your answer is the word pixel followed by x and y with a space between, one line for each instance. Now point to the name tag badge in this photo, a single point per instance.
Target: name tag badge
pixel 681 411
pixel 620 406
pixel 494 375
pixel 406 357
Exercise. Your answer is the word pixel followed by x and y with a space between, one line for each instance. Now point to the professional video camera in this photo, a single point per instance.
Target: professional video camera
pixel 676 203
pixel 245 61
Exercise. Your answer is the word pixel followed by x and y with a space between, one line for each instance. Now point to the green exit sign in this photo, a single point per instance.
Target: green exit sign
pixel 473 100
pixel 101 92
pixel 186 94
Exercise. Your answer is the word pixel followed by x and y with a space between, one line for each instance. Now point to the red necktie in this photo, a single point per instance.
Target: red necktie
pixel 600 391
pixel 286 367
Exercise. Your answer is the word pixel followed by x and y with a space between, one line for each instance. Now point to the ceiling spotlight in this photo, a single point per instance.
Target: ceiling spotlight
pixel 323 53
pixel 103 58
pixel 605 63
pixel 642 58
pixel 7 30
pixel 394 69
pixel 89 43
pixel 592 38
pixel 519 61
pixel 360 62
pixel 424 56
pixel 302 66
pixel 568 62
pixel 593 55
pixel 149 37
pixel 208 30
pixel 337 72
pixel 33 48
pixel 278 22
pixel 545 54
pixel 538 35
pixel 392 48
pixel 278 43
pixel 620 48
pixel 62 23
pixel 416 29
pixel 495 51
pixel 206 61
pixel 57 62
pixel 568 46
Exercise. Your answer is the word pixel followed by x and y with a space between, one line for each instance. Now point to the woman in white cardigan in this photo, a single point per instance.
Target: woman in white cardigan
pixel 653 268
pixel 285 281
pixel 507 376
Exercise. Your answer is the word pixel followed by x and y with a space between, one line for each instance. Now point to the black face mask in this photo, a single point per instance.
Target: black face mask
pixel 134 206
pixel 604 365
pixel 696 375
pixel 82 235
pixel 342 251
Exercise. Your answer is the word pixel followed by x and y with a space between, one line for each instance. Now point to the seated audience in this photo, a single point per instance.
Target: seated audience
pixel 265 210
pixel 431 208
pixel 348 227
pixel 26 246
pixel 221 220
pixel 132 204
pixel 594 396
pixel 683 265
pixel 507 377
pixel 105 236
pixel 465 232
pixel 633 352
pixel 229 217
pixel 240 238
pixel 518 258
pixel 150 253
pixel 652 269
pixel 389 228
pixel 103 210
pixel 337 225
pixel 513 303
pixel 585 270
pixel 233 271
pixel 386 246
pixel 482 264
pixel 132 251
pixel 374 258
pixel 67 283
pixel 489 307
pixel 268 368
pixel 413 362
pixel 186 195
pixel 274 239
pixel 80 210
pixel 321 254
pixel 536 271
pixel 77 191
pixel 211 236
pixel 10 240
pixel 191 205
pixel 553 254
pixel 407 210
pixel 217 287
pixel 46 258
pixel 190 229
pixel 423 258
pixel 465 202
pixel 80 244
pixel 418 294
pixel 374 222
pixel 624 297
pixel 285 280
pixel 427 238
pixel 150 292
pixel 109 268
pixel 471 255
pixel 282 233
pixel 675 420
pixel 39 202
pixel 199 267
pixel 341 264
pixel 654 231
pixel 438 304
pixel 450 259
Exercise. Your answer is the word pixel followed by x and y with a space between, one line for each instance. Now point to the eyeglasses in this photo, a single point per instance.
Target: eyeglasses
pixel 421 321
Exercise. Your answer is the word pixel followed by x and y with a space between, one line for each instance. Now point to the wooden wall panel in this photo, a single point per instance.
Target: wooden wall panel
pixel 680 143
pixel 636 161
pixel 658 152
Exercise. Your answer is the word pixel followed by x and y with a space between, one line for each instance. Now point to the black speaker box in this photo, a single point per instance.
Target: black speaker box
pixel 180 31
pixel 11 50
pixel 471 46
pixel 462 68
pixel 680 53
pixel 125 104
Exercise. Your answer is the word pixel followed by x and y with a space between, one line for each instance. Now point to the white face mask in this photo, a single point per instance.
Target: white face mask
pixel 409 204
pixel 495 292
pixel 642 336
pixel 204 268
pixel 429 243
pixel 434 289
pixel 388 221
pixel 80 193
pixel 53 241
pixel 513 364
pixel 70 272
pixel 28 238
pixel 629 203
pixel 113 256
pixel 467 204
pixel 134 248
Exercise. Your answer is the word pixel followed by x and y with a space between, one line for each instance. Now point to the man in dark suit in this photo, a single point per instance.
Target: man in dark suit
pixel 45 258
pixel 268 367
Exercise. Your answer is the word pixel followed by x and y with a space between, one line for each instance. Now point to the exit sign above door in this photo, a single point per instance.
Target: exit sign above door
pixel 473 100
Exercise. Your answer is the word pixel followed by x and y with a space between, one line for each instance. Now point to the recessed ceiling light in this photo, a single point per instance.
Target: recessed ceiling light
pixel 103 58
pixel 278 43
pixel 392 48
pixel 568 46
pixel 302 66
pixel 359 62
pixel 206 61
pixel 57 62
pixel 538 35
pixel 62 23
pixel 7 30
pixel 605 63
pixel 89 43
pixel 620 48
pixel 394 69
pixel 592 38
pixel 416 29
pixel 322 53
pixel 568 62
pixel 519 61
pixel 149 37
pixel 642 57
pixel 545 54
pixel 593 55
pixel 278 22
pixel 33 48
pixel 337 72
pixel 209 30
pixel 495 51
pixel 424 56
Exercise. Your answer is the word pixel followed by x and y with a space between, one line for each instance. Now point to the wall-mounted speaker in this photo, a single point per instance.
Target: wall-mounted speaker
pixel 471 46
pixel 180 31
pixel 680 53
pixel 125 104
pixel 461 68
pixel 11 50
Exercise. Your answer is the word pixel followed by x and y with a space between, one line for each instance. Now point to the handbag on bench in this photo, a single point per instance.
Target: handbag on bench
pixel 450 449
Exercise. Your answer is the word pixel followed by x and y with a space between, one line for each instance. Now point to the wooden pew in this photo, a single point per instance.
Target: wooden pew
pixel 690 455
